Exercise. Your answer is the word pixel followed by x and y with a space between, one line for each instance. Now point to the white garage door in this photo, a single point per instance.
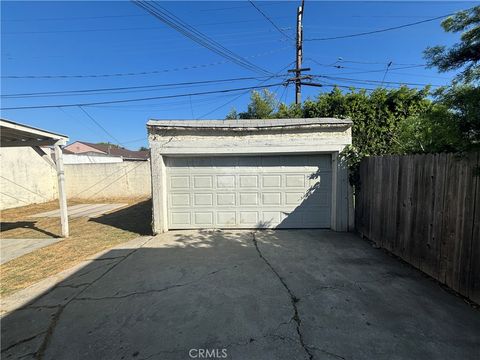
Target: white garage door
pixel 291 191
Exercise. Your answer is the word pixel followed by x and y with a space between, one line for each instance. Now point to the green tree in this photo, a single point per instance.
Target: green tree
pixel 232 115
pixel 462 98
pixel 432 132
pixel 464 55
pixel 262 106
pixel 376 118
pixel 143 148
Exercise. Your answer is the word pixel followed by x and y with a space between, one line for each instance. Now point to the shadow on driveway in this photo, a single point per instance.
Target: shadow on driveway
pixel 135 218
pixel 286 294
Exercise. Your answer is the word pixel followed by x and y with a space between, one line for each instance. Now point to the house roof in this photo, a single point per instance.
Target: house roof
pixel 246 124
pixel 16 134
pixel 118 151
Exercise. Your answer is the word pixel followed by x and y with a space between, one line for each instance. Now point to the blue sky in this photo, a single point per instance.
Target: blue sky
pixel 116 37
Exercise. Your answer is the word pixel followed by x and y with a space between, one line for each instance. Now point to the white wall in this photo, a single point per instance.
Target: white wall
pixel 25 178
pixel 125 179
pixel 89 159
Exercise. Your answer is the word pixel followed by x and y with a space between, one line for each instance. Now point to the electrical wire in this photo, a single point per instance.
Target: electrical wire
pixel 200 66
pixel 95 91
pixel 380 30
pixel 244 93
pixel 270 20
pixel 193 34
pixel 99 125
pixel 374 81
pixel 137 99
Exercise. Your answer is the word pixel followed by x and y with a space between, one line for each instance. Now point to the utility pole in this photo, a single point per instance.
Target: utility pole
pixel 299 56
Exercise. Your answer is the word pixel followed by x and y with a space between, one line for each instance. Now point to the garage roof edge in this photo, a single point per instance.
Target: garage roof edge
pixel 248 124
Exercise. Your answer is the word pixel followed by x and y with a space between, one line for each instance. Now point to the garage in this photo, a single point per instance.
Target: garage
pixel 228 174
pixel 283 191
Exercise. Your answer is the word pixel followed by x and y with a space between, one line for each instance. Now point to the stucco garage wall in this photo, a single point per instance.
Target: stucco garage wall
pixel 26 178
pixel 125 179
pixel 250 137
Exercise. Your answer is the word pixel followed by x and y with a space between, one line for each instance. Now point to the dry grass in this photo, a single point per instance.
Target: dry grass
pixel 87 237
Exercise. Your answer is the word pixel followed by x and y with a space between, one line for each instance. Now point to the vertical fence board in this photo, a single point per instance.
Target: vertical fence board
pixel 425 209
pixel 474 281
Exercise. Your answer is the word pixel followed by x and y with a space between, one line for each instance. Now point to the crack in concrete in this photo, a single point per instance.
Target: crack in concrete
pixel 23 341
pixel 328 353
pixel 93 269
pixel 151 291
pixel 71 286
pixel 40 353
pixel 24 356
pixel 40 307
pixel 107 258
pixel 293 299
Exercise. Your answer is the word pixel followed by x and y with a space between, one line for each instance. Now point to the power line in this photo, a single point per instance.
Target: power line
pixel 380 30
pixel 380 70
pixel 190 67
pixel 244 93
pixel 335 85
pixel 74 18
pixel 270 20
pixel 137 99
pixel 374 81
pixel 339 66
pixel 100 125
pixel 193 34
pixel 341 60
pixel 95 91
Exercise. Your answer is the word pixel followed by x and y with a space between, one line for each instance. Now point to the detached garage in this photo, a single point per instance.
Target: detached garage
pixel 276 173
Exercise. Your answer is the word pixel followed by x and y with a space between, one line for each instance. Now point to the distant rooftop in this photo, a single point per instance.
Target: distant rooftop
pixel 249 123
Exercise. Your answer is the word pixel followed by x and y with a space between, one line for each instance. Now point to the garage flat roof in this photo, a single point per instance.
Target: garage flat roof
pixel 249 123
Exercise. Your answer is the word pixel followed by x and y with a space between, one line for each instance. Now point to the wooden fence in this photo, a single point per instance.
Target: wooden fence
pixel 426 210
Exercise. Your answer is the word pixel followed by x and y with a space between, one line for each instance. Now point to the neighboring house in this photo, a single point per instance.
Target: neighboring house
pixel 101 153
pixel 276 173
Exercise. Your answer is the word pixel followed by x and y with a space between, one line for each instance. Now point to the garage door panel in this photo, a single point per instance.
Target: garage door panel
pixel 203 199
pixel 248 199
pixel 272 198
pixel 248 181
pixel 180 182
pixel 227 199
pixel 249 192
pixel 225 181
pixel 272 181
pixel 202 182
pixel 295 181
pixel 181 219
pixel 204 218
pixel 226 218
pixel 249 218
pixel 179 199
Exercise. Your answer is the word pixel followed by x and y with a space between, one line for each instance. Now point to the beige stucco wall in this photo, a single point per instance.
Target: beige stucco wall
pixel 25 178
pixel 125 179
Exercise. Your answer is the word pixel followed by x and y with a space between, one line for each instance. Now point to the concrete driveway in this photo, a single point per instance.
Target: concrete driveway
pixel 304 294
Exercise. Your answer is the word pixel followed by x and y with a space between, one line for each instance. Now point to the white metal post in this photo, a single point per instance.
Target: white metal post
pixel 62 195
